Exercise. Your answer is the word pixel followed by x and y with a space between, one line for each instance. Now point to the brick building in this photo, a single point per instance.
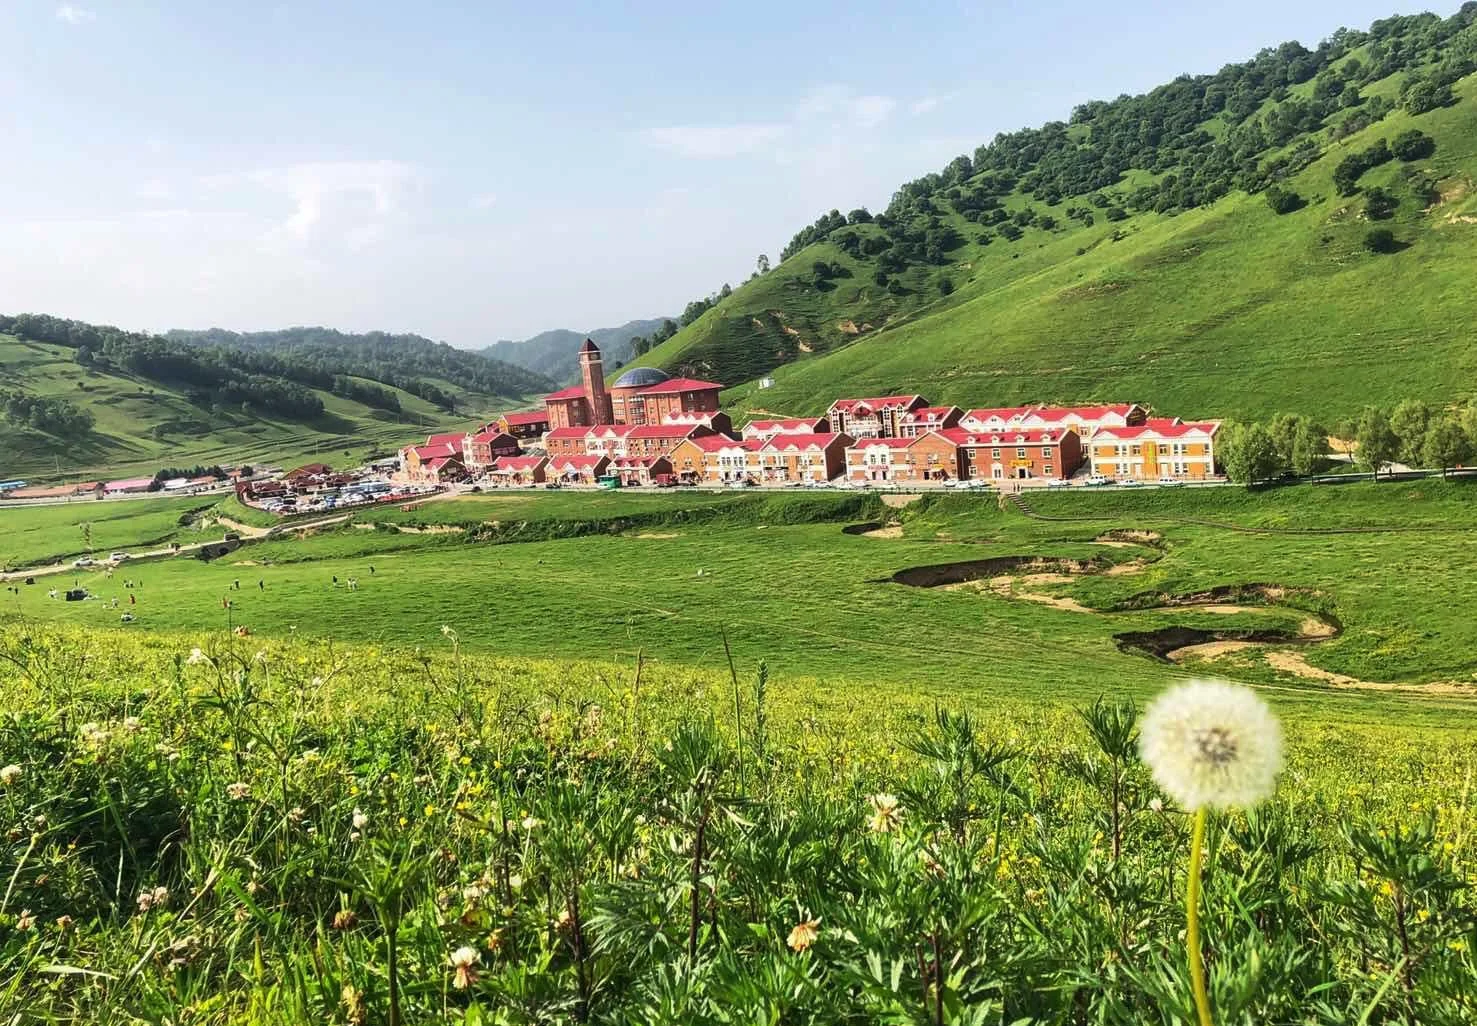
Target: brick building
pixel 523 425
pixel 566 441
pixel 480 449
pixel 764 430
pixel 872 418
pixel 929 457
pixel 803 457
pixel 1017 453
pixel 580 469
pixel 1159 448
pixel 660 439
pixel 715 459
pixel 519 470
pixel 634 472
pixel 642 395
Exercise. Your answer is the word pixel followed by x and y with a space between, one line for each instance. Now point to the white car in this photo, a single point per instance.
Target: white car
pixel 118 557
pixel 83 562
pixel 1058 482
pixel 1099 479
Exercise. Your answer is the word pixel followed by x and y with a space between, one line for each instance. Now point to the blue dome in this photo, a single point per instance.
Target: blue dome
pixel 641 377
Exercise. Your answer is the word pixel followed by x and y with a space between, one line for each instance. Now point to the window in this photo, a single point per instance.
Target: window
pixel 995 454
pixel 1164 450
pixel 1020 453
pixel 1046 452
pixel 1046 470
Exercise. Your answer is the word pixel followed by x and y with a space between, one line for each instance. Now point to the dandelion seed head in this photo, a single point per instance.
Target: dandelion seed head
pixel 361 820
pixel 887 814
pixel 239 791
pixel 10 774
pixel 1212 744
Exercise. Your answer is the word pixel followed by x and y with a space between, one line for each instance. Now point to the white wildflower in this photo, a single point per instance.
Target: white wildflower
pixel 531 823
pixel 156 898
pixel 462 960
pixel 239 791
pixel 1156 804
pixel 196 657
pixel 132 724
pixel 10 774
pixel 93 733
pixel 887 814
pixel 1210 743
pixel 360 819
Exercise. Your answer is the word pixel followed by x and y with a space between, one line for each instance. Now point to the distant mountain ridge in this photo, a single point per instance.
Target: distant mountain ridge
pixel 553 353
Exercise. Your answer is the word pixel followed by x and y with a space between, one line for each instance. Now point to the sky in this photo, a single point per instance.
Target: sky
pixel 479 171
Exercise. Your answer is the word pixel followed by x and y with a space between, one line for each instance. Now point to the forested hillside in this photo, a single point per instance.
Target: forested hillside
pixel 409 362
pixel 77 397
pixel 1280 233
pixel 555 354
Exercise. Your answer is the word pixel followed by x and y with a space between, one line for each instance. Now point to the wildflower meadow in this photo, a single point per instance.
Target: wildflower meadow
pixel 225 830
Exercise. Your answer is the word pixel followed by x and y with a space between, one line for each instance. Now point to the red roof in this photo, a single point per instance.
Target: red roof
pixel 1207 427
pixel 1003 412
pixel 681 385
pixel 713 443
pixel 452 438
pixel 438 451
pixel 567 432
pixel 637 463
pixel 1005 436
pixel 587 461
pixel 931 412
pixel 804 440
pixel 130 484
pixel 485 437
pixel 613 430
pixel 589 346
pixel 442 461
pixel 886 402
pixel 662 431
pixel 524 419
pixel 886 443
pixel 797 425
pixel 1060 413
pixel 565 394
pixel 516 463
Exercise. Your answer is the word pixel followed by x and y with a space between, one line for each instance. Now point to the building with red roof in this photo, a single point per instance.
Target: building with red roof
pixel 440 470
pixel 642 395
pixel 1017 453
pixel 480 449
pixel 128 486
pixel 803 456
pixel 566 441
pixel 608 439
pixel 715 459
pixel 1085 419
pixel 519 470
pixel 641 472
pixel 660 439
pixel 523 425
pixel 879 417
pixel 1163 448
pixel 581 469
pixel 993 418
pixel 930 456
pixel 767 429
pixel 928 418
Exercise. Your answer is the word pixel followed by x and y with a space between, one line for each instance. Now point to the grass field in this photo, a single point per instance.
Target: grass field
pixel 669 575
pixel 1224 310
pixel 38 535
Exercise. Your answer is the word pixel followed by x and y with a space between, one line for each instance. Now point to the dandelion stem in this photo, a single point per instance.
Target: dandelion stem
pixel 1192 924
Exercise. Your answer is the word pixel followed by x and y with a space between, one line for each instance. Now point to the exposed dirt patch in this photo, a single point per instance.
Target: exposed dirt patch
pixel 431 529
pixel 1124 536
pixel 1297 664
pixel 246 562
pixel 1221 594
pixel 899 501
pixel 943 574
pixel 1133 566
pixel 862 528
pixel 805 347
pixel 1164 643
pixel 659 536
pixel 1210 650
pixel 848 328
pixel 890 531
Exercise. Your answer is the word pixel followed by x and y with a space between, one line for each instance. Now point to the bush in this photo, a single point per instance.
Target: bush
pixel 1380 204
pixel 946 287
pixel 1115 214
pixel 1413 145
pixel 1381 240
pixel 1283 201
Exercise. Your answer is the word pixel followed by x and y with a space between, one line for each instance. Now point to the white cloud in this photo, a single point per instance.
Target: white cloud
pixel 485 201
pixel 927 103
pixel 74 15
pixel 335 191
pixel 708 142
pixel 843 104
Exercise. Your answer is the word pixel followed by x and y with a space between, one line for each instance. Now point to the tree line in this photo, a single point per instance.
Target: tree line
pixel 52 416
pixel 1292 445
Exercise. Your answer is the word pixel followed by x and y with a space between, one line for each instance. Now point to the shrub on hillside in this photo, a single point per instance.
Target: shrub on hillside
pixel 1283 201
pixel 1381 240
pixel 1413 145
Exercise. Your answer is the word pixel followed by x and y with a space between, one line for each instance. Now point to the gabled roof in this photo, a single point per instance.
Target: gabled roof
pixel 716 443
pixel 1005 436
pixel 128 484
pixel 1005 413
pixel 516 463
pixel 442 461
pixel 610 430
pixel 885 443
pixel 930 412
pixel 568 432
pixel 565 394
pixel 1057 414
pixel 637 462
pixel 433 452
pixel 453 438
pixel 584 461
pixel 662 431
pixel 794 425
pixel 876 405
pixel 488 437
pixel 524 419
pixel 1206 427
pixel 311 470
pixel 804 441
pixel 681 385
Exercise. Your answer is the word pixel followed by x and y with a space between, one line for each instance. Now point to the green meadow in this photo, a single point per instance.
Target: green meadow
pixel 667 578
pixel 38 535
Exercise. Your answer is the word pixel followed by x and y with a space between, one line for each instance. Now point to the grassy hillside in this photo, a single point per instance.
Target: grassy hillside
pixel 1146 288
pixel 142 424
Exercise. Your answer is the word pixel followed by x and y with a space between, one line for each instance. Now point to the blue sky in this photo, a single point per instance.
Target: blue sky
pixel 479 171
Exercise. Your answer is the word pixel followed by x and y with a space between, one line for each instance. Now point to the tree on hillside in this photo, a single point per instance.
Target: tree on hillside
pixel 1380 204
pixel 1377 442
pixel 1309 448
pixel 1413 145
pixel 1381 240
pixel 1410 419
pixel 761 266
pixel 1284 429
pixel 1446 445
pixel 1283 201
pixel 1251 455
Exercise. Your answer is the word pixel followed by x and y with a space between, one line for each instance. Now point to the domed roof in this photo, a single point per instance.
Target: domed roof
pixel 641 377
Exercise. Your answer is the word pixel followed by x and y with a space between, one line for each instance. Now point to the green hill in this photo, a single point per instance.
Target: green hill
pixel 96 402
pixel 1134 252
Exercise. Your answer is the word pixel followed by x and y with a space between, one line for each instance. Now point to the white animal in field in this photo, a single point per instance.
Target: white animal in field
pixel 52 593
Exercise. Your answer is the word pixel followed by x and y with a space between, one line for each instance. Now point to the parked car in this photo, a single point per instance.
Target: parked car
pixel 1099 479
pixel 1130 483
pixel 117 557
pixel 83 562
pixel 1058 482
pixel 1171 482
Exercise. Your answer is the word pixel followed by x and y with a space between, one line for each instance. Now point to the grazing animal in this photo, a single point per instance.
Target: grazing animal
pixel 51 593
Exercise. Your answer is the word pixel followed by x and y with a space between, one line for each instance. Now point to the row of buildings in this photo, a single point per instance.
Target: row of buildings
pixel 649 429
